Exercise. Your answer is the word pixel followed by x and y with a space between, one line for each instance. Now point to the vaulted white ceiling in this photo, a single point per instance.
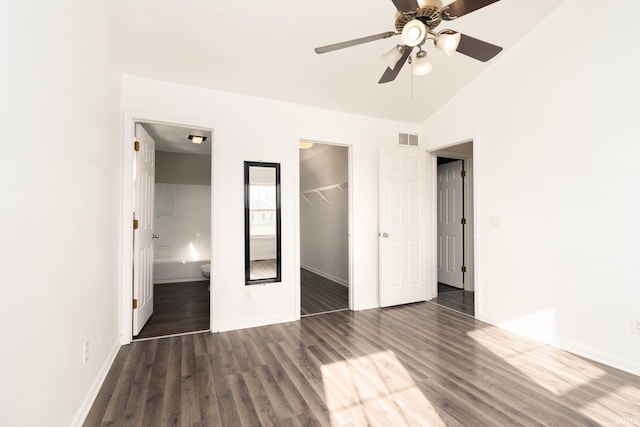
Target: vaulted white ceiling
pixel 265 49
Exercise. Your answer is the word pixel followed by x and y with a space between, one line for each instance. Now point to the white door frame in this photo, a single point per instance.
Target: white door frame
pixel 470 213
pixel 126 243
pixel 298 283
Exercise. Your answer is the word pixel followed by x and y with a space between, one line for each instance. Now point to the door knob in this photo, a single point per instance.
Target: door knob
pixel 385 235
pixel 155 236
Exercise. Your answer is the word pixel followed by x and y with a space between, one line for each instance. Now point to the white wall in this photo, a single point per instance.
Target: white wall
pixel 59 222
pixel 255 129
pixel 555 128
pixel 183 221
pixel 324 227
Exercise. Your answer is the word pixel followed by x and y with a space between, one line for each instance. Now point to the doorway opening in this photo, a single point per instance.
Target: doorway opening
pixel 172 230
pixel 454 237
pixel 325 284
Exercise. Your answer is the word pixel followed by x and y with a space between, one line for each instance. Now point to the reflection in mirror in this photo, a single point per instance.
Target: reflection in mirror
pixel 262 222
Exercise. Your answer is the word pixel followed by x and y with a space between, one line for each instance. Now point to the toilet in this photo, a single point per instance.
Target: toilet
pixel 205 269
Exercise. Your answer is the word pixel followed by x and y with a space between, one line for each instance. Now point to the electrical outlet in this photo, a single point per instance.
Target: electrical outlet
pixel 85 351
pixel 247 294
pixel 635 325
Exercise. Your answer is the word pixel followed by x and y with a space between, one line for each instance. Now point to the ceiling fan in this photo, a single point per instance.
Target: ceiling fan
pixel 415 22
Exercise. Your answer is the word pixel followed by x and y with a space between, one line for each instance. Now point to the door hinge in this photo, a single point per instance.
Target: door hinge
pixel 464 269
pixel 136 146
pixel 135 303
pixel 135 224
pixel 463 221
pixel 462 173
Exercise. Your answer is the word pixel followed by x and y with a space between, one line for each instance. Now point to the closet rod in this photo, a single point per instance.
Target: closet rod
pixel 319 191
pixel 328 187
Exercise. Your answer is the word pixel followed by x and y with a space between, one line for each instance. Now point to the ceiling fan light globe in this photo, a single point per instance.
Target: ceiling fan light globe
pixel 421 65
pixel 305 145
pixel 448 43
pixel 392 56
pixel 414 33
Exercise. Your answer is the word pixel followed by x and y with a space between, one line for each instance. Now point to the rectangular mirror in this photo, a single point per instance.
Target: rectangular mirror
pixel 261 222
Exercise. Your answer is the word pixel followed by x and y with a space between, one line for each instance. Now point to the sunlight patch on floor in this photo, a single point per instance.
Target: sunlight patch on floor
pixel 557 371
pixel 616 408
pixel 375 390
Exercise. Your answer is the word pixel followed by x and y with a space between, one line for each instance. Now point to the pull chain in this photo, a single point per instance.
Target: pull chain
pixel 411 64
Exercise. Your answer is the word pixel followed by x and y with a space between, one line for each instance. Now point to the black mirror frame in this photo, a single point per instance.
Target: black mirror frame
pixel 247 237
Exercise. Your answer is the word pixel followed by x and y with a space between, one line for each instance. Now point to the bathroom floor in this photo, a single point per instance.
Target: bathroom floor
pixel 178 308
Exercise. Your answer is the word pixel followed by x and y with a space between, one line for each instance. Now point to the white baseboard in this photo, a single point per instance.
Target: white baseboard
pixel 183 280
pixel 578 349
pixel 84 409
pixel 232 326
pixel 326 275
pixel 629 366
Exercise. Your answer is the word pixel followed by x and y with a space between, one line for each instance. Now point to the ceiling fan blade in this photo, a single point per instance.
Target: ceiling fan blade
pixel 362 40
pixel 477 49
pixel 462 7
pixel 391 74
pixel 406 5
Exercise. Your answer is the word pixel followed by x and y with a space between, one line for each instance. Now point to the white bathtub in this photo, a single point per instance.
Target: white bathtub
pixel 174 270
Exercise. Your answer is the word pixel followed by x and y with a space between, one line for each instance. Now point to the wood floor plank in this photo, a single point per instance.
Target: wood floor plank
pixel 282 379
pixel 259 397
pixel 190 413
pixel 276 397
pixel 245 409
pixel 122 388
pixel 224 397
pixel 207 394
pixel 295 372
pixel 172 404
pixel 418 364
pixel 156 392
pixel 134 411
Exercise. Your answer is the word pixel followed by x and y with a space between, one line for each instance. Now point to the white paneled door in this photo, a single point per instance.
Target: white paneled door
pixel 144 176
pixel 403 226
pixel 450 214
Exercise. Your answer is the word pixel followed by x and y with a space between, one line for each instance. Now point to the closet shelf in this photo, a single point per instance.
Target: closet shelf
pixel 319 191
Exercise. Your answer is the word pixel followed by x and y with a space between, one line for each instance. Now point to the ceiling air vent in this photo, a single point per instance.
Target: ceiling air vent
pixel 408 139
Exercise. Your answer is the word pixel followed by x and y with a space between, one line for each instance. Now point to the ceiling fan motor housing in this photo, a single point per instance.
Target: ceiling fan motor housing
pixel 428 14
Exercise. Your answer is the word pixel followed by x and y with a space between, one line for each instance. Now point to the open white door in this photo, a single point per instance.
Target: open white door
pixel 403 226
pixel 144 182
pixel 450 214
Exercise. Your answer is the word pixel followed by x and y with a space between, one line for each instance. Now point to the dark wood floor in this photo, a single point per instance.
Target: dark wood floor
pixel 411 365
pixel 178 308
pixel 455 299
pixel 319 294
